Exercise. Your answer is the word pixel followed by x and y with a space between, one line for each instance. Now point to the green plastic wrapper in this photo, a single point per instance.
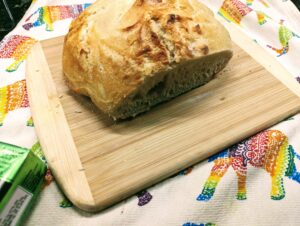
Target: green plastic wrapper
pixel 21 178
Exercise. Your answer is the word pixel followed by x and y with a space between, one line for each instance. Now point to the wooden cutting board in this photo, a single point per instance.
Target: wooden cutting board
pixel 98 162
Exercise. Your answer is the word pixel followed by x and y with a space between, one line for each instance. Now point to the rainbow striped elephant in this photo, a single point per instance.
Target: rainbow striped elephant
pixel 235 10
pixel 16 47
pixel 269 150
pixel 285 35
pixel 250 2
pixel 50 14
pixel 13 96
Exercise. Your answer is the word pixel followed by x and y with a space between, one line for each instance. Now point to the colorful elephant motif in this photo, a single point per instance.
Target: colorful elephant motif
pixel 50 14
pixel 234 11
pixel 65 203
pixel 269 150
pixel 250 2
pixel 144 197
pixel 261 17
pixel 16 47
pixel 12 97
pixel 285 35
pixel 201 224
pixel 30 122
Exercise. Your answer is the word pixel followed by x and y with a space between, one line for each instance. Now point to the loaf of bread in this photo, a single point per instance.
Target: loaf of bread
pixel 128 55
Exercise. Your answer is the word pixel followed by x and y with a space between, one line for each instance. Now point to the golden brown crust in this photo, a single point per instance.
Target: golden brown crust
pixel 113 48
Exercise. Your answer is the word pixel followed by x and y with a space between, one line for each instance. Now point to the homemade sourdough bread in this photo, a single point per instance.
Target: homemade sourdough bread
pixel 129 55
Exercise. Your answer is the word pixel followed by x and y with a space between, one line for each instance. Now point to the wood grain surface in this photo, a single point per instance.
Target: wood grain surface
pixel 98 162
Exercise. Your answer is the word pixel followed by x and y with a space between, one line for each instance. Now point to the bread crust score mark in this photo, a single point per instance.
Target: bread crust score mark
pixel 148 52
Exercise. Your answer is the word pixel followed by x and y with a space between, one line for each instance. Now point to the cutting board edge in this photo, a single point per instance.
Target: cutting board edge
pixel 89 203
pixel 101 204
pixel 55 118
pixel 261 56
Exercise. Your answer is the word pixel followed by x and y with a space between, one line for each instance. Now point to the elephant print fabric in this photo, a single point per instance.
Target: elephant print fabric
pixel 261 17
pixel 50 14
pixel 269 150
pixel 13 96
pixel 285 35
pixel 144 197
pixel 30 122
pixel 234 11
pixel 250 2
pixel 16 47
pixel 201 224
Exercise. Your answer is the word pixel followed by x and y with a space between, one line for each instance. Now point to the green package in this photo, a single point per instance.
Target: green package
pixel 21 177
